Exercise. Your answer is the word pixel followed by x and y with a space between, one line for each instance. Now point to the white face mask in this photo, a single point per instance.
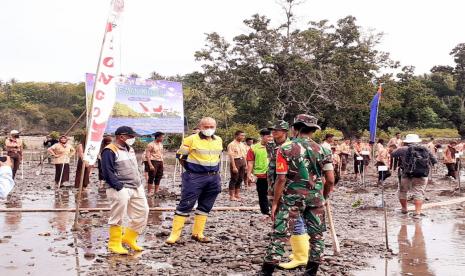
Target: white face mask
pixel 208 132
pixel 130 141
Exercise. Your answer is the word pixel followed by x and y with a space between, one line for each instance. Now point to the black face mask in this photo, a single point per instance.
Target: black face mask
pixel 15 136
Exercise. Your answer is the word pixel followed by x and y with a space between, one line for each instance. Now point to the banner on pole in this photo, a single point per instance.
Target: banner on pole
pixel 145 105
pixel 374 115
pixel 103 91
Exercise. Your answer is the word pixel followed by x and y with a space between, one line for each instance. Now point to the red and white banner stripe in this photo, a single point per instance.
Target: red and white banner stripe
pixel 104 92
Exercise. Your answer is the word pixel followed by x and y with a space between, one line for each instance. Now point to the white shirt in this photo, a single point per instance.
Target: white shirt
pixel 326 145
pixel 6 181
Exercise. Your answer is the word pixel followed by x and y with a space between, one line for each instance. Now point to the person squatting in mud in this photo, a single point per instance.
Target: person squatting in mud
pixel 300 191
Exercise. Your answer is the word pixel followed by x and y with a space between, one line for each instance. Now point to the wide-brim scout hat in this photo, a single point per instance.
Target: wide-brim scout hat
pixel 280 125
pixel 307 120
pixel 412 138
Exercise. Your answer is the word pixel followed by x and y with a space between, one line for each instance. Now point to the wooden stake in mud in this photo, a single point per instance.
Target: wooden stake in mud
pixel 22 169
pixel 39 172
pixel 459 165
pixel 78 199
pixel 360 166
pixel 61 176
pixel 383 169
pixel 176 161
pixel 177 164
pixel 41 164
pixel 366 154
pixel 336 246
pixel 106 209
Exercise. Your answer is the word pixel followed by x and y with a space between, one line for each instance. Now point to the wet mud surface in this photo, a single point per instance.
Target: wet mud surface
pixel 43 243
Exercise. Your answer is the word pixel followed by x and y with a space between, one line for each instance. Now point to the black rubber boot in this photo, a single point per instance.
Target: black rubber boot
pixel 267 269
pixel 311 269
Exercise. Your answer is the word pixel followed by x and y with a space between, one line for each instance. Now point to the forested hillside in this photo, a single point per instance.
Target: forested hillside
pixel 274 70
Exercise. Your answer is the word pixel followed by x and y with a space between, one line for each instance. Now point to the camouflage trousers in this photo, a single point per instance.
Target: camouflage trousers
pixel 291 208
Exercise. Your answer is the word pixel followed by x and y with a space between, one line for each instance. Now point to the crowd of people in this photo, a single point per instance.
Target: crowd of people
pixel 293 176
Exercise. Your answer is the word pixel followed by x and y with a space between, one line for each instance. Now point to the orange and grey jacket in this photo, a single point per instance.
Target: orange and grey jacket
pixel 119 167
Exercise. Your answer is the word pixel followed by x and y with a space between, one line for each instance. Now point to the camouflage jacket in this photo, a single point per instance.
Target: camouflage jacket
pixel 272 150
pixel 303 163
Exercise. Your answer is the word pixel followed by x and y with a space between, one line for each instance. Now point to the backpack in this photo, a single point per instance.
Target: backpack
pixel 417 162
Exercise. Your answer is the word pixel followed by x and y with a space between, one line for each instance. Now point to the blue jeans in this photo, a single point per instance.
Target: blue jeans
pixel 199 188
pixel 299 227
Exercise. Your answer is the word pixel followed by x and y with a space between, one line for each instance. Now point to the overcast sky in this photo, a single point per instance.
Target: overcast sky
pixel 59 40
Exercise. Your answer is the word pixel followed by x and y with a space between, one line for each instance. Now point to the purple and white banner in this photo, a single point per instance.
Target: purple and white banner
pixel 145 105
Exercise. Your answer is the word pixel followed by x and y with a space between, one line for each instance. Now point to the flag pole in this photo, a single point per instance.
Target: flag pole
pixel 376 120
pixel 85 163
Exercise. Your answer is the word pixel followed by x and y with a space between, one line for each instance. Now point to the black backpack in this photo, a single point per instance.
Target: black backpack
pixel 417 162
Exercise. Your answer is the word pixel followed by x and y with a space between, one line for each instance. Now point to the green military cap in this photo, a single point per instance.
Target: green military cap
pixel 307 120
pixel 280 125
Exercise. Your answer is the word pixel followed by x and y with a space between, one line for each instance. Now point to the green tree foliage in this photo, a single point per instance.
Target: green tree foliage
pixel 274 70
pixel 277 72
pixel 228 134
pixel 59 118
pixel 139 145
pixel 34 107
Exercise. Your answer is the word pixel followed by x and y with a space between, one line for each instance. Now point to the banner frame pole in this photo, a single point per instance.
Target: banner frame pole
pixel 84 163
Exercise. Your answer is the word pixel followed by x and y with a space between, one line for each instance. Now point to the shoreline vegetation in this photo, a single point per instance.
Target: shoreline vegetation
pixel 275 70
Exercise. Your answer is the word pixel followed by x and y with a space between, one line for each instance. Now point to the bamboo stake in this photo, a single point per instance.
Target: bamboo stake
pixel 336 246
pixel 83 166
pixel 106 209
pixel 61 176
pixel 78 200
pixel 75 123
pixel 22 169
pixel 439 204
pixel 385 212
pixel 218 209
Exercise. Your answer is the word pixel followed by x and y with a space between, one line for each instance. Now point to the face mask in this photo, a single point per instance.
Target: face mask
pixel 130 141
pixel 208 132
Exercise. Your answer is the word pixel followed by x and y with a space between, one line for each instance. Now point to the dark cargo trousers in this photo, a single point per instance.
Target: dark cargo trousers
pixel 201 188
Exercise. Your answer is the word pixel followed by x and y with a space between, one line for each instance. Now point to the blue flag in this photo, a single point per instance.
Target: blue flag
pixel 374 115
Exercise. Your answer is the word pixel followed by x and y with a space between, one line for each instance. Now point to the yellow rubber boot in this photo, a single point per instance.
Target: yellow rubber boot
pixel 300 246
pixel 130 239
pixel 178 224
pixel 198 227
pixel 291 257
pixel 114 242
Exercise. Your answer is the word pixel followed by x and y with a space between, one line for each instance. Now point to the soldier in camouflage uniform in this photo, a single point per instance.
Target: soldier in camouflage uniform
pixel 299 240
pixel 272 149
pixel 299 191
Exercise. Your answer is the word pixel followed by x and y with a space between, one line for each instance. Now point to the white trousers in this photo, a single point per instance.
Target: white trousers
pixel 130 202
